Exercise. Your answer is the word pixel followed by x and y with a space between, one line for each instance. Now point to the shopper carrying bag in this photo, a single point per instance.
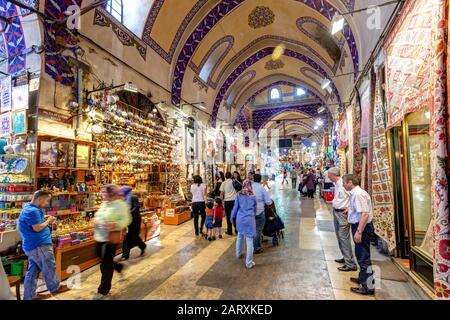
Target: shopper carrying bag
pixel 111 219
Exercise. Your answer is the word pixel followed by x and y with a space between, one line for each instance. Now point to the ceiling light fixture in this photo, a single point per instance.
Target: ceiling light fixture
pixel 278 52
pixel 316 127
pixel 337 23
pixel 319 122
pixel 325 83
pixel 322 109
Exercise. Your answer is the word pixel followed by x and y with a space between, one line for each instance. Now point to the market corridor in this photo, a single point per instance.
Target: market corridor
pixel 177 266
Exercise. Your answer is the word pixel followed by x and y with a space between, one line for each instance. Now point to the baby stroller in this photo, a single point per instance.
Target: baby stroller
pixel 274 226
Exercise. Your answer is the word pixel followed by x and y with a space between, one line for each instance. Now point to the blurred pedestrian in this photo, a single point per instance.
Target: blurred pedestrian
pixel 111 219
pixel 132 239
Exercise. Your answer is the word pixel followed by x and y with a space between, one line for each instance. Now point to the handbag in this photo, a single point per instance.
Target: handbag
pixel 116 237
pixel 305 189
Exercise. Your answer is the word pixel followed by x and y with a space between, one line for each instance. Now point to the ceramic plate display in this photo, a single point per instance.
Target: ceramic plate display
pixel 19 165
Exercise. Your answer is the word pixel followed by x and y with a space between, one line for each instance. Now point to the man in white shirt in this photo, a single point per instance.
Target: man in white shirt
pixel 360 217
pixel 262 199
pixel 341 203
pixel 228 195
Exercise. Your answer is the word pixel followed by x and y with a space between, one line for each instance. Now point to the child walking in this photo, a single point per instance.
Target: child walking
pixel 209 222
pixel 218 216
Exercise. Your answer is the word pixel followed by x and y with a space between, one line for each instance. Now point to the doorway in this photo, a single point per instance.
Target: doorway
pixel 411 173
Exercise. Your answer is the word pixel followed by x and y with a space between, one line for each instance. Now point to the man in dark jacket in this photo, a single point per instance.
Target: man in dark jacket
pixel 132 238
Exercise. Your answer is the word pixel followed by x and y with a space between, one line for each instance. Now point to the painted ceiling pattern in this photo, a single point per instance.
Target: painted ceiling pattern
pixel 219 12
pixel 261 17
pixel 255 58
pixel 13 37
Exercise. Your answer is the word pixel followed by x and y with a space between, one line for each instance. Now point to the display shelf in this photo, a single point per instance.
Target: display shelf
pixel 8 231
pixel 11 193
pixel 62 138
pixel 73 193
pixel 66 168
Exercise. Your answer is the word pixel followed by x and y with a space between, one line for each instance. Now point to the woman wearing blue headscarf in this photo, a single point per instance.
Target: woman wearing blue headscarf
pixel 132 238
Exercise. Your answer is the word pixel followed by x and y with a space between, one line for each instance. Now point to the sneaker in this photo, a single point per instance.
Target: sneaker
pixel 250 266
pixel 124 258
pixel 42 296
pixel 214 238
pixel 143 251
pixel 261 250
pixel 98 296
pixel 62 288
pixel 220 236
pixel 209 239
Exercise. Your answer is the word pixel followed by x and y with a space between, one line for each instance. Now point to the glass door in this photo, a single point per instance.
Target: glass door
pixel 396 146
pixel 416 130
pixel 409 146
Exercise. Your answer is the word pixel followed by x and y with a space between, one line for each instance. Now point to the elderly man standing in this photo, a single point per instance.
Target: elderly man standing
pixel 360 217
pixel 341 203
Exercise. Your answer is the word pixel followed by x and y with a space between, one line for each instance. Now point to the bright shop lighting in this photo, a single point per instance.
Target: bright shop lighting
pixel 325 83
pixel 316 127
pixel 278 52
pixel 428 115
pixel 319 122
pixel 338 23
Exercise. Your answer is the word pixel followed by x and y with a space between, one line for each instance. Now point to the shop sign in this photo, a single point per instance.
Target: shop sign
pixel 54 116
pixel 130 87
pixel 5 92
pixel 170 212
pixel 20 97
pixel 20 122
pixel 5 120
pixel 34 84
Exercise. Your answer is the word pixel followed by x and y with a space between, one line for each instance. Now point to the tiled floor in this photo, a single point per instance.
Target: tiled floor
pixel 178 266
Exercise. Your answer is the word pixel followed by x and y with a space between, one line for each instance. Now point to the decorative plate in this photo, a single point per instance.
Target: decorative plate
pixel 19 165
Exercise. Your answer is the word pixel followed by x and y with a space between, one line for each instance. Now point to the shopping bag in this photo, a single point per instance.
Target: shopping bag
pixel 305 189
pixel 116 237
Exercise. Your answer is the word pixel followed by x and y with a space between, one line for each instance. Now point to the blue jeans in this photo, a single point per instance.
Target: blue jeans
pixel 362 253
pixel 249 242
pixel 260 221
pixel 42 260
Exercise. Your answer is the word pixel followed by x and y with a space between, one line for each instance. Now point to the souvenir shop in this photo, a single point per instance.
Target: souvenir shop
pixel 394 136
pixel 113 140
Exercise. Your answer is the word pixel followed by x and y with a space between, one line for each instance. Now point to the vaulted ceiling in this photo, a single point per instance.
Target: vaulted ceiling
pixel 221 52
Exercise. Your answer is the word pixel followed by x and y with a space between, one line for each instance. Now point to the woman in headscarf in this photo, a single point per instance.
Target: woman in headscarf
pixel 132 239
pixel 243 217
pixel 112 217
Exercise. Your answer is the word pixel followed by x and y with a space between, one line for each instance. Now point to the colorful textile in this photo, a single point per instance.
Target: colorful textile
pixel 416 78
pixel 409 59
pixel 14 40
pixel 59 38
pixel 349 153
pixel 357 153
pixel 439 154
pixel 381 189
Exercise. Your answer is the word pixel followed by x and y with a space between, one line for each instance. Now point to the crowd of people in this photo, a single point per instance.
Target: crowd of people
pixel 242 202
pixel 119 211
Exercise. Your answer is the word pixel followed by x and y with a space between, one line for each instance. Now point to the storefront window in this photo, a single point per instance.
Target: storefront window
pixel 419 162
